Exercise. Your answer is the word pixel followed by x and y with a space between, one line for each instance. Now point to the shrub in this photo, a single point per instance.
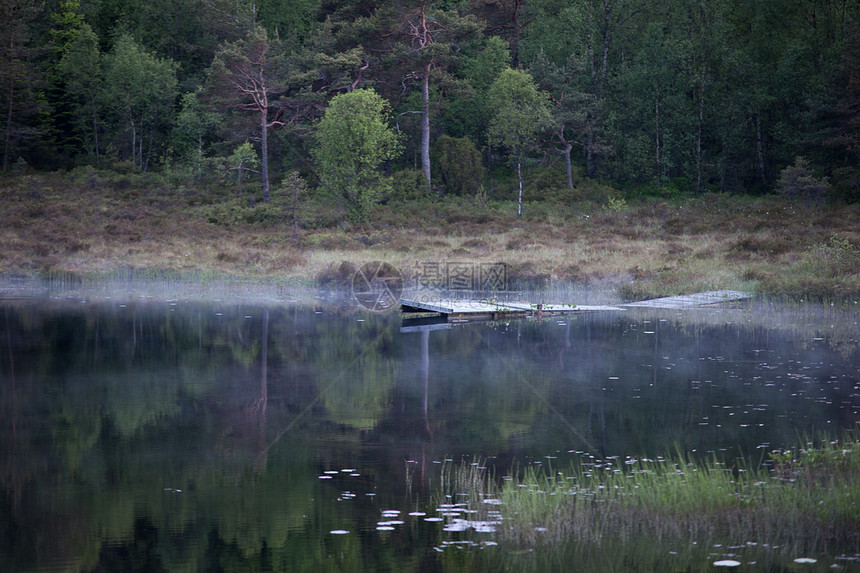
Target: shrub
pixel 458 163
pixel 835 258
pixel 797 180
pixel 407 185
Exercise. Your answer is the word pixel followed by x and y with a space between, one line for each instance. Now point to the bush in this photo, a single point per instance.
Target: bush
pixel 237 212
pixel 552 176
pixel 407 185
pixel 458 163
pixel 837 257
pixel 797 180
pixel 846 186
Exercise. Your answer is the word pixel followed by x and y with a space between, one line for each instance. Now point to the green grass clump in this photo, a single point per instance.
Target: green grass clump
pixel 800 501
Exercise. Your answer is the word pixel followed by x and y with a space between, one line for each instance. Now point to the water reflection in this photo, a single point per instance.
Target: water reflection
pixel 187 435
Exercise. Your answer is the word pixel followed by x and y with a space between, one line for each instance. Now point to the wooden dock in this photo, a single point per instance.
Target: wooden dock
pixel 465 310
pixel 691 300
pixel 452 310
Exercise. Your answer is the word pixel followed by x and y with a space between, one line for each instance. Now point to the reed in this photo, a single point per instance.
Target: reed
pixel 798 501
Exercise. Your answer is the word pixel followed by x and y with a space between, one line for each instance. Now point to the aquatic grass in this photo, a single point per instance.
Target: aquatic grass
pixel 805 500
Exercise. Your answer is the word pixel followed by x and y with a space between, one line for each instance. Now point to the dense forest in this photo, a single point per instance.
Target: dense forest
pixel 670 95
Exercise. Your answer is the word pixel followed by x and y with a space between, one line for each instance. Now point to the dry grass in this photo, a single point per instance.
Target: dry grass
pixel 105 224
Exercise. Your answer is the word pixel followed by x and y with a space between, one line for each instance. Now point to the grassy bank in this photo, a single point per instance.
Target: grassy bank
pixel 800 502
pixel 94 224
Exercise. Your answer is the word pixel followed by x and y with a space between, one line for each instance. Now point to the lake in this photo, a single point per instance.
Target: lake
pixel 177 429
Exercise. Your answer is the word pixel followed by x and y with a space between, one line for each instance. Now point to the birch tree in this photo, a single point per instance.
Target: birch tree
pixel 521 115
pixel 140 88
pixel 353 140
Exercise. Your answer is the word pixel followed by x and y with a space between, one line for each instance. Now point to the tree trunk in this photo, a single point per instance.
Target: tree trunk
pixel 589 153
pixel 701 104
pixel 95 128
pixel 760 151
pixel 264 151
pixel 133 140
pixel 8 139
pixel 566 153
pixel 520 176
pixel 657 166
pixel 148 147
pixel 425 126
pixel 699 133
pixel 515 37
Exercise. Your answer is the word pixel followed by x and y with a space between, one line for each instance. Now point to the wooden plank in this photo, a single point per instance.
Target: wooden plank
pixel 692 300
pixel 459 310
pixel 464 310
pixel 460 307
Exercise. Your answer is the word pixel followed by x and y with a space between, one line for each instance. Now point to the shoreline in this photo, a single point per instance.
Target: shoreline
pixel 55 229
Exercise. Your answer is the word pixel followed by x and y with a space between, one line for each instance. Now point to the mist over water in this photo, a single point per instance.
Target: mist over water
pixel 182 430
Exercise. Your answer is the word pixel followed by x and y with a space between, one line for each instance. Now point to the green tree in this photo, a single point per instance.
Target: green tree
pixel 68 22
pixel 194 127
pixel 521 114
pixel 353 140
pixel 246 76
pixel 244 158
pixel 572 109
pixel 140 88
pixel 430 36
pixel 459 165
pixel 469 115
pixel 282 19
pixel 81 72
pixel 294 190
pixel 20 76
pixel 797 180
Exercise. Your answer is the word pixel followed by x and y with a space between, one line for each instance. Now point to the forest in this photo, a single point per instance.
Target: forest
pixel 379 100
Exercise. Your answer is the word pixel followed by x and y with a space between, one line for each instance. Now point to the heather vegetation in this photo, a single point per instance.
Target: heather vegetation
pixel 657 147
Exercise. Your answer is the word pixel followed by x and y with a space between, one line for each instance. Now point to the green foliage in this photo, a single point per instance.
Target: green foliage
pixel 615 205
pixel 353 140
pixel 68 22
pixel 520 112
pixel 195 127
pixel 238 212
pixel 837 257
pixel 797 180
pixel 806 496
pixel 407 185
pixel 712 93
pixel 81 71
pixel 458 163
pixel 244 158
pixel 139 90
pixel 293 19
pixel 293 195
pixel 483 68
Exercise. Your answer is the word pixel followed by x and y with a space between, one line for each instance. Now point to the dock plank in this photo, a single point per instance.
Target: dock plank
pixel 466 310
pixel 692 300
pixel 460 310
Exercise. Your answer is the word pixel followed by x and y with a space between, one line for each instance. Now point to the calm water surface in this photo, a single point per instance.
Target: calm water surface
pixel 295 433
